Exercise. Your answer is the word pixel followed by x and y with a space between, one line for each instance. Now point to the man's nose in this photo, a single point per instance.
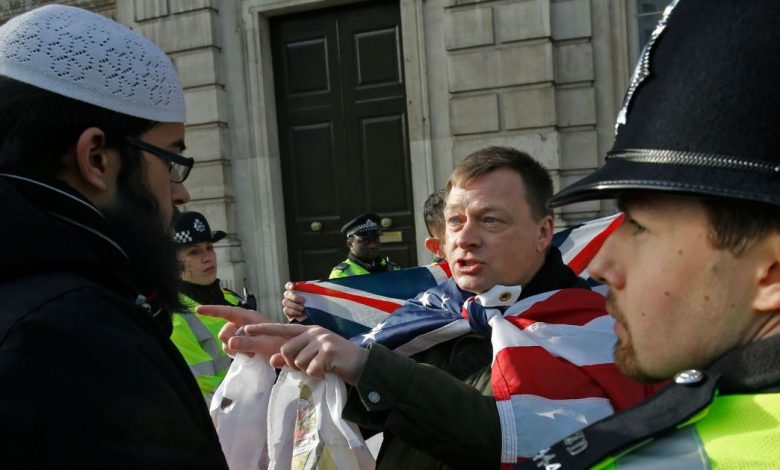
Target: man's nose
pixel 602 267
pixel 468 235
pixel 179 194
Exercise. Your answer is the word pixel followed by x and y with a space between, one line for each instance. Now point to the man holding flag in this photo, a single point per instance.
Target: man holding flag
pixel 516 352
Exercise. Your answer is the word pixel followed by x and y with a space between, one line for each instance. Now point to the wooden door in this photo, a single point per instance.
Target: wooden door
pixel 343 135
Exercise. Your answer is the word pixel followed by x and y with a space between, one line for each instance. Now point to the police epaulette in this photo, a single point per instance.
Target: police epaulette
pixel 342 266
pixel 231 291
pixel 612 436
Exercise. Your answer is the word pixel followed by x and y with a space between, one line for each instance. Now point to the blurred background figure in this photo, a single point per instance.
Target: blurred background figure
pixel 363 243
pixel 194 335
pixel 433 213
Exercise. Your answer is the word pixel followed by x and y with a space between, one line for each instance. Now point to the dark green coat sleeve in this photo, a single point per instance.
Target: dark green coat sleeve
pixel 428 409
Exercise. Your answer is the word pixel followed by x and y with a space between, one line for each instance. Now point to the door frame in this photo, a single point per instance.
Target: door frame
pixel 267 226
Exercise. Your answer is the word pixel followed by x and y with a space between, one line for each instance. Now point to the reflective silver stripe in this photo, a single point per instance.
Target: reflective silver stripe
pixel 211 346
pixel 204 368
pixel 203 334
pixel 222 364
pixel 682 450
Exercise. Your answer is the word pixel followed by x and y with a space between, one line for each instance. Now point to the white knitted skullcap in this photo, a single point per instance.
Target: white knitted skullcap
pixel 90 58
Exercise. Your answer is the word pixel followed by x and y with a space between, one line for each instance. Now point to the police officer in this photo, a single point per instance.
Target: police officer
pixel 194 335
pixel 694 270
pixel 362 234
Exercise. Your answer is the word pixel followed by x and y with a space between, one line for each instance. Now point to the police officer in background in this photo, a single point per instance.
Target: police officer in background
pixel 363 242
pixel 196 336
pixel 694 269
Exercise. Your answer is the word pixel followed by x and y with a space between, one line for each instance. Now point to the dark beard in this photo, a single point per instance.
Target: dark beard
pixel 138 227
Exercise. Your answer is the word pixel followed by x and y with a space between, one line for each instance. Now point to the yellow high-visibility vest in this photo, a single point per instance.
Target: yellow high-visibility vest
pixel 197 338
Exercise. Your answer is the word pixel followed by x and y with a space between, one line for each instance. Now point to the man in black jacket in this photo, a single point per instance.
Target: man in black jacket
pixel 91 124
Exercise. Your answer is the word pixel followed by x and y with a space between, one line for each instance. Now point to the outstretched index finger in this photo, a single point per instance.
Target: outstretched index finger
pixel 239 316
pixel 287 331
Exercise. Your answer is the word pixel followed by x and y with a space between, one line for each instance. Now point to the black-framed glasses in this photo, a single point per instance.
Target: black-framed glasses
pixel 180 165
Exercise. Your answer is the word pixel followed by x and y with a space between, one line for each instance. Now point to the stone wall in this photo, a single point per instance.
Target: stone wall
pixel 10 8
pixel 189 31
pixel 522 74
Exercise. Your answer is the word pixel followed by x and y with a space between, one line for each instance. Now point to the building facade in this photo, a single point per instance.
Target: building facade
pixel 270 83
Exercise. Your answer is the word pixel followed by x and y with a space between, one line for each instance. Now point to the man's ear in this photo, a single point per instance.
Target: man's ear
pixel 767 297
pixel 432 244
pixel 96 166
pixel 546 228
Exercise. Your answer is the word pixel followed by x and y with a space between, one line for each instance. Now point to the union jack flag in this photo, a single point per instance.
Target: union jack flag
pixel 552 370
pixel 355 306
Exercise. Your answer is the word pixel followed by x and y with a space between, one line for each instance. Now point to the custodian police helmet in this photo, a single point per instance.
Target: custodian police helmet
pixel 702 112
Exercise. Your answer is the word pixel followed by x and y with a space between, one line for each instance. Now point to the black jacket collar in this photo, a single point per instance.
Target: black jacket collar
pixel 50 227
pixel 205 295
pixel 752 368
pixel 553 275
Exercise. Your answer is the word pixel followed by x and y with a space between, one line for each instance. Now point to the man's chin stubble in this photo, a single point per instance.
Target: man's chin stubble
pixel 626 361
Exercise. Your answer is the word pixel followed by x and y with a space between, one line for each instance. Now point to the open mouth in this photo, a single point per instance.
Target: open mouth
pixel 468 266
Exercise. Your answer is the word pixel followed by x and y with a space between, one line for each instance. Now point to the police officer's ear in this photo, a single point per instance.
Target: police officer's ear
pixel 767 298
pixel 91 167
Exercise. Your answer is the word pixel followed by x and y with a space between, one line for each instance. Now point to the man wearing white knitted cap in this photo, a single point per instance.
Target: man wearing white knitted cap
pixel 91 128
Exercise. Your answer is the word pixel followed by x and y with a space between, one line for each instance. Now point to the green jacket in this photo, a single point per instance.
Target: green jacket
pixel 350 268
pixel 727 416
pixel 426 416
pixel 437 409
pixel 197 338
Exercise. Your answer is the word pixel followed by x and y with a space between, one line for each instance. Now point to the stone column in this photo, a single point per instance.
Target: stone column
pixel 189 31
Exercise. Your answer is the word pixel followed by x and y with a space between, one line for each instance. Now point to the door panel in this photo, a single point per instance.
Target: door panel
pixel 341 111
pixel 382 138
pixel 377 58
pixel 307 68
pixel 312 161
